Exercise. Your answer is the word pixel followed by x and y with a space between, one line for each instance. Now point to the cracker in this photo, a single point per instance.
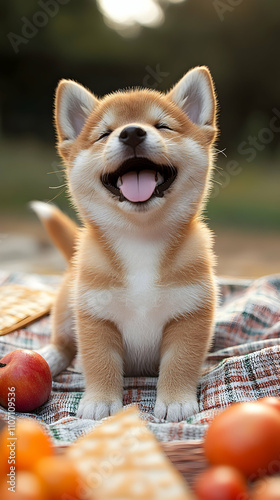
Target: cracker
pixel 20 305
pixel 121 459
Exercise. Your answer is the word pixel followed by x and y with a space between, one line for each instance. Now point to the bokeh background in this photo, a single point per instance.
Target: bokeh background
pixel 112 44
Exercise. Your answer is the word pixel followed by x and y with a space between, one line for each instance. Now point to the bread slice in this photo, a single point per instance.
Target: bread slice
pixel 121 459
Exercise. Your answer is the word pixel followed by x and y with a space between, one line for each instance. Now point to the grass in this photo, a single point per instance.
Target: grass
pixel 249 200
pixel 29 169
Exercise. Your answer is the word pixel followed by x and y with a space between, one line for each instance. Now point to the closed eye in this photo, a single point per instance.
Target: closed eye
pixel 105 134
pixel 162 126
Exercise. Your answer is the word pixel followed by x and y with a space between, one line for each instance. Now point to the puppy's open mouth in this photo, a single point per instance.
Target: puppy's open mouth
pixel 138 179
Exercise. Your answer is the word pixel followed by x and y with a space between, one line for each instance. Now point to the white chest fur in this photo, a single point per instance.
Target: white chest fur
pixel 142 320
pixel 142 307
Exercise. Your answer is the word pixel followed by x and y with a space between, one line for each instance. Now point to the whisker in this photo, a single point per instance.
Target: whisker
pixel 57 187
pixel 56 172
pixel 216 182
pixel 170 164
pixel 221 151
pixel 168 160
pixel 196 184
pixel 58 194
pixel 216 167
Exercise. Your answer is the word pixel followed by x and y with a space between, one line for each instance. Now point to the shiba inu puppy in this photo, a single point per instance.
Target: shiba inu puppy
pixel 139 294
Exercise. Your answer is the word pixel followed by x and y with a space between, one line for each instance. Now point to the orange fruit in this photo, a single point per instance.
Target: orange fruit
pixel 245 436
pixel 271 401
pixel 28 487
pixel 266 489
pixel 30 443
pixel 4 466
pixel 221 483
pixel 59 477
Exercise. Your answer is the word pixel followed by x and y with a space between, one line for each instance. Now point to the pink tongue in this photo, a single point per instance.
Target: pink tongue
pixel 138 186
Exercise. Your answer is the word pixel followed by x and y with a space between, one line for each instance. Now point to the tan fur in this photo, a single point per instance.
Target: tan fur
pixel 185 340
pixel 128 255
pixel 63 232
pixel 104 375
pixel 98 265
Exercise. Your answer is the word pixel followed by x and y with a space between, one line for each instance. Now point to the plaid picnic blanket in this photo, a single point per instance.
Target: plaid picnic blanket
pixel 243 364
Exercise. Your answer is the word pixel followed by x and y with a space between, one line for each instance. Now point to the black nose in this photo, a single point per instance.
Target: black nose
pixel 132 136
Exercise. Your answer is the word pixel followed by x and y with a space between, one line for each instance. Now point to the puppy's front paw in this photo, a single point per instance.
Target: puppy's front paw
pixel 96 410
pixel 175 412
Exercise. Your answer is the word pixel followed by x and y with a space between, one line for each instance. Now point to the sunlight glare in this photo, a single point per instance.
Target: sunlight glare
pixel 131 12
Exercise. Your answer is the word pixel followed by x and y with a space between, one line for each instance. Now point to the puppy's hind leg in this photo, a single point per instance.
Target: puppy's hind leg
pixel 62 348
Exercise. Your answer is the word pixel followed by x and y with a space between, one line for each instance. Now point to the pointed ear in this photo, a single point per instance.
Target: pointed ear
pixel 195 95
pixel 73 105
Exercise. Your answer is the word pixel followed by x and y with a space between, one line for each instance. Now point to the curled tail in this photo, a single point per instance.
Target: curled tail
pixel 61 229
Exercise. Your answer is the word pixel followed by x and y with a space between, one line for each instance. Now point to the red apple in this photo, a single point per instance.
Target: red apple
pixel 25 380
